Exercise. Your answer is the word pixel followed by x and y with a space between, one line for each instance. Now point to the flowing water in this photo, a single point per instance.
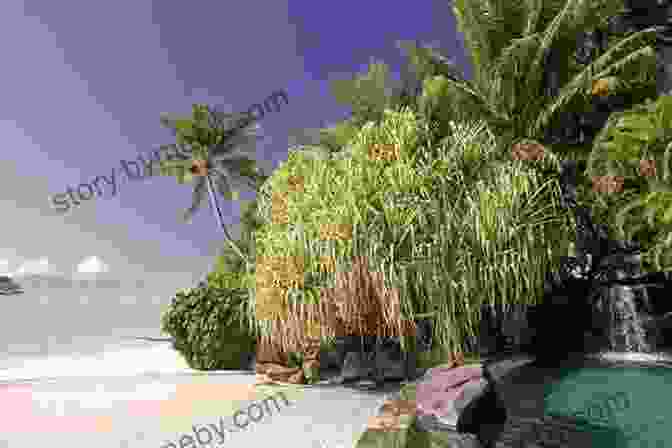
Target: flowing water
pixel 627 331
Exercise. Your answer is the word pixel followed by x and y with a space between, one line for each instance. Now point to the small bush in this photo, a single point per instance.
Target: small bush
pixel 208 325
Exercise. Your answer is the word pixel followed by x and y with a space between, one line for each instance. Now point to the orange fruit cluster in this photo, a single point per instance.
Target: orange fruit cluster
pixel 608 184
pixel 279 208
pixel 528 151
pixel 647 168
pixel 336 231
pixel 600 87
pixel 295 184
pixel 199 168
pixel 383 152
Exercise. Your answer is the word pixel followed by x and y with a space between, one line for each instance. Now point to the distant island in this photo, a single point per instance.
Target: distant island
pixel 8 286
pixel 59 281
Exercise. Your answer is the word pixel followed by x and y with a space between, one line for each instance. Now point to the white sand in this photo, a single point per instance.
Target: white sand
pixel 157 357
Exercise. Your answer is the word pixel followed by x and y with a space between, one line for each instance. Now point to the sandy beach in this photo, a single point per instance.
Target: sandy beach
pixel 143 395
pixel 93 369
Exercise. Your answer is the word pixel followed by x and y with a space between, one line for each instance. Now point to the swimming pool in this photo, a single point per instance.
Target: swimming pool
pixel 621 405
pixel 600 401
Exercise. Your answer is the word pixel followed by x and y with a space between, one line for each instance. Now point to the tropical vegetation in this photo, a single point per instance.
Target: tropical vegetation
pixel 223 148
pixel 208 327
pixel 440 194
pixel 635 147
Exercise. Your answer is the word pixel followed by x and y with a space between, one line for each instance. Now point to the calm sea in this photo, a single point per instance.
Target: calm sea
pixel 78 320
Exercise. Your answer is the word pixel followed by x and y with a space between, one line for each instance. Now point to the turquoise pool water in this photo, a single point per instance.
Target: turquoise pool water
pixel 621 407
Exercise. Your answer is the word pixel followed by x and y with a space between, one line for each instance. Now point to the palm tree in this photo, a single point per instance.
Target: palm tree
pixel 510 44
pixel 220 144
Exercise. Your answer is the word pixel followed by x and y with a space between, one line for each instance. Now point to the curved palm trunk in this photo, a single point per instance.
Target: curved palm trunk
pixel 218 213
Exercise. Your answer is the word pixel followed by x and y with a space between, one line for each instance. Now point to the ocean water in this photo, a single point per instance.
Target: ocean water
pixel 74 320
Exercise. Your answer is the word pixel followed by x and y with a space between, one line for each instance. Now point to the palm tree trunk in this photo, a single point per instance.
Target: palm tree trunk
pixel 218 213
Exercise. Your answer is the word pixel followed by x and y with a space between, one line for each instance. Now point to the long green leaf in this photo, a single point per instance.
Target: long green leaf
pixel 569 90
pixel 550 34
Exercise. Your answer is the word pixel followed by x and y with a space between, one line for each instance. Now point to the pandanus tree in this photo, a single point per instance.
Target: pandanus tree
pixel 222 148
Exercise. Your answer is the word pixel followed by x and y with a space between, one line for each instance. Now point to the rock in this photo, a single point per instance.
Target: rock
pixel 331 359
pixel 437 394
pixel 358 365
pixel 461 400
pixel 9 287
pixel 503 330
pixel 251 362
pixel 364 358
pixel 390 363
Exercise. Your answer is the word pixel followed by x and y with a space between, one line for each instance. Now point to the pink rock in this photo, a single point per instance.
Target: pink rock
pixel 444 386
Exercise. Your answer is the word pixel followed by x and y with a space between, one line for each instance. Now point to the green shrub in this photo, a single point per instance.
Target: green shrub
pixel 208 326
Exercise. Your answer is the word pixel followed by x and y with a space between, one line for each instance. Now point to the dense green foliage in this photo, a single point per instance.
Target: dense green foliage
pixel 451 219
pixel 454 174
pixel 208 325
pixel 451 224
pixel 643 210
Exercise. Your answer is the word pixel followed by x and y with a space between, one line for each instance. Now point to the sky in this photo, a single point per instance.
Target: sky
pixel 84 84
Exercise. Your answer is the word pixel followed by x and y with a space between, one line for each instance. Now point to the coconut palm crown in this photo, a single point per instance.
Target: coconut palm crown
pixel 220 145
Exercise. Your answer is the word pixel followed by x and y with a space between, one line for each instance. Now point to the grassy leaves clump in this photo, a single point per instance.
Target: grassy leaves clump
pixel 445 227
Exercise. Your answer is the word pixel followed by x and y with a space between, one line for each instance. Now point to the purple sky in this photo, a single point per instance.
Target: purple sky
pixel 83 85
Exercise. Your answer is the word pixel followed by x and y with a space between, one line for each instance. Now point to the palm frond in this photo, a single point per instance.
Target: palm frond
pixel 508 88
pixel 169 121
pixel 535 74
pixel 533 16
pixel 480 101
pixel 506 20
pixel 472 21
pixel 198 196
pixel 179 151
pixel 235 179
pixel 180 169
pixel 230 120
pixel 241 143
pixel 224 185
pixel 601 68
pixel 574 17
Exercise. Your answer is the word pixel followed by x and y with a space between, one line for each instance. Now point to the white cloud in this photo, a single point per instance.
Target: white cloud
pixel 39 266
pixel 92 265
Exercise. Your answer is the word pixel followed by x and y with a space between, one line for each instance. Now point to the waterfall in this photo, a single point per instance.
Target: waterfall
pixel 623 318
pixel 627 312
pixel 627 333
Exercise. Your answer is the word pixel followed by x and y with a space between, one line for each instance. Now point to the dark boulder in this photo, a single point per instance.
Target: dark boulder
pixel 9 287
